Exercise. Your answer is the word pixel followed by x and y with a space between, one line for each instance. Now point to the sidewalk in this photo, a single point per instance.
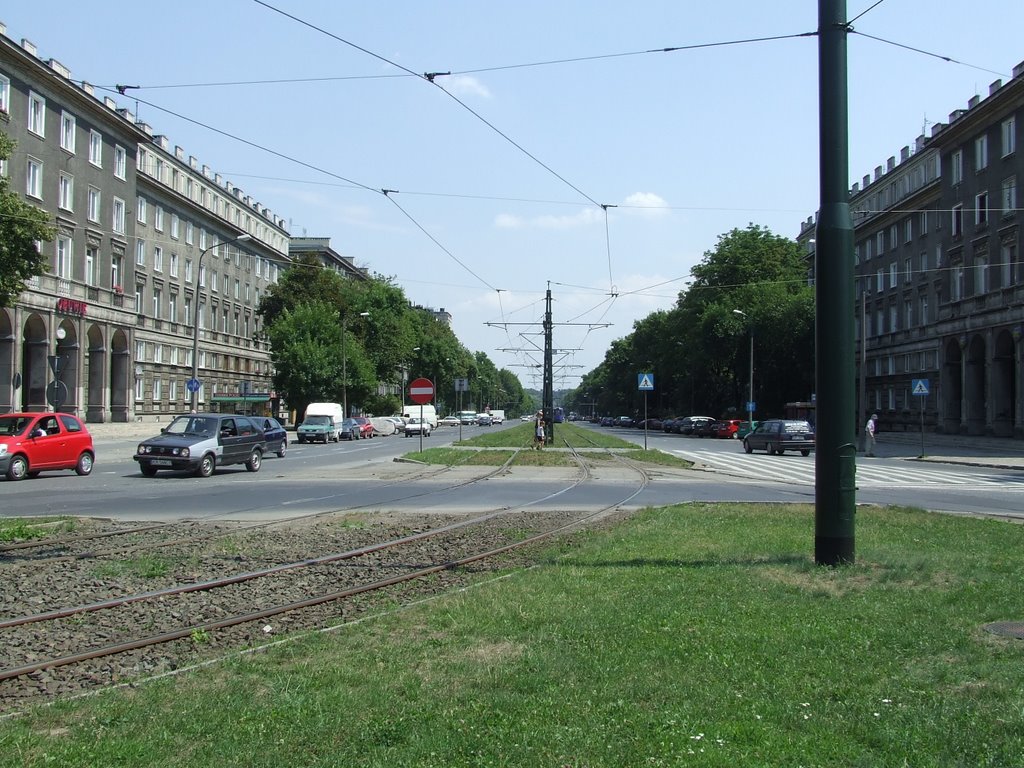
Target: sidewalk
pixel 979 451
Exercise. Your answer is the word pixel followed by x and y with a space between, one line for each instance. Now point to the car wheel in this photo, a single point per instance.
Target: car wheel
pixel 735 435
pixel 771 449
pixel 33 473
pixel 206 466
pixel 779 450
pixel 18 470
pixel 747 447
pixel 283 449
pixel 84 465
pixel 255 460
pixel 805 453
pixel 147 471
pixel 301 441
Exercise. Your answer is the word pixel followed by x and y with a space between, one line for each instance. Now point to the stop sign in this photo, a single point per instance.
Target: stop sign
pixel 421 391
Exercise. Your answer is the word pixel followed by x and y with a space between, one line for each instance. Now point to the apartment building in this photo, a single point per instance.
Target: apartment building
pixel 155 255
pixel 940 288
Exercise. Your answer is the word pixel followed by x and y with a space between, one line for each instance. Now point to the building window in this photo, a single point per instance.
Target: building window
pixel 66 192
pixel 908 313
pixel 120 162
pixel 956 280
pixel 922 310
pixel 119 216
pixel 172 308
pixel 980 276
pixel 140 252
pixel 34 178
pixel 94 205
pixel 91 260
pixel 156 391
pixel 188 270
pixel 981 153
pixel 213 281
pixel 96 148
pixel 174 226
pixel 958 220
pixel 1009 134
pixel 65 251
pixel 923 222
pixel 156 307
pixel 1008 252
pixel 879 281
pixel 956 174
pixel 158 218
pixel 115 273
pixel 5 95
pixel 67 132
pixel 141 210
pixel 174 265
pixel 140 388
pixel 908 269
pixel 1008 196
pixel 36 114
pixel 981 208
pixel 158 259
pixel 879 322
pixel 908 230
pixel 173 395
pixel 893 275
pixel 893 322
pixel 238 289
pixel 189 232
pixel 880 243
pixel 188 312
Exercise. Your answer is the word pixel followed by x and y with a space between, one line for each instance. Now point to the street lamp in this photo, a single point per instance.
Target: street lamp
pixel 344 362
pixel 750 400
pixel 193 383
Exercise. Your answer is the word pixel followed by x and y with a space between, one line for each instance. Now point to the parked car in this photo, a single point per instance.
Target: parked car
pixel 780 435
pixel 668 425
pixel 31 443
pixel 201 442
pixel 728 428
pixel 350 429
pixel 624 421
pixel 274 435
pixel 746 428
pixel 484 420
pixel 708 428
pixel 416 426
pixel 365 426
pixel 449 421
pixel 690 424
pixel 608 421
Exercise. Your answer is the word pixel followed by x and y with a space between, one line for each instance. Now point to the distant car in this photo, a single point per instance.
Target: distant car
pixel 416 426
pixel 608 421
pixel 728 428
pixel 624 421
pixel 274 435
pixel 449 421
pixel 706 428
pixel 746 428
pixel 365 426
pixel 650 424
pixel 350 429
pixel 484 420
pixel 668 425
pixel 780 435
pixel 201 442
pixel 692 424
pixel 31 443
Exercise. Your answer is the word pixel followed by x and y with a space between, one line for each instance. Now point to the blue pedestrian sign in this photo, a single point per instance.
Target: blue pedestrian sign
pixel 645 381
pixel 919 387
pixel 192 385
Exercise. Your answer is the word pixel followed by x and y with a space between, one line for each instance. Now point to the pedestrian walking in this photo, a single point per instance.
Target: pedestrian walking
pixel 869 435
pixel 538 431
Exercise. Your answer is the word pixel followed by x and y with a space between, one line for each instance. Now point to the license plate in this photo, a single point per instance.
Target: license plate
pixel 160 462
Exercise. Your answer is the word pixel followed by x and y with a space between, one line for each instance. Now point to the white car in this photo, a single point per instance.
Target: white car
pixel 417 426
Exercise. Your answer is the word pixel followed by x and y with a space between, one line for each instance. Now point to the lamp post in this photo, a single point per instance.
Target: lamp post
pixel 344 361
pixel 750 400
pixel 193 383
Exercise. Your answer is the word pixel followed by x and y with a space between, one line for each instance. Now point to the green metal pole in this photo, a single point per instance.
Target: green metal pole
pixel 835 449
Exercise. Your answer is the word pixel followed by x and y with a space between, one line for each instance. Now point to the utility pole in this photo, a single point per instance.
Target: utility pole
pixel 549 392
pixel 835 448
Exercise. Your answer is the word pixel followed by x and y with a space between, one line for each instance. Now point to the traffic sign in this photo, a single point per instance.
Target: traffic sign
pixel 56 393
pixel 421 391
pixel 919 387
pixel 645 381
pixel 192 385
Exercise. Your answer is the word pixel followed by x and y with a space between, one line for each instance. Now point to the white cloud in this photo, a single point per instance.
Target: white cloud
pixel 583 218
pixel 508 221
pixel 464 85
pixel 646 204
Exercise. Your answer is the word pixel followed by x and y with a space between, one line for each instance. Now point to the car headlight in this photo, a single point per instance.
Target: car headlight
pixel 142 448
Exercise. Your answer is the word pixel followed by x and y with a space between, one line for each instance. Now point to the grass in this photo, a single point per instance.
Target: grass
pixel 146 567
pixel 690 635
pixel 22 529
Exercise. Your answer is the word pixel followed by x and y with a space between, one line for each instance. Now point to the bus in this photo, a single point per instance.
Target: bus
pixel 559 415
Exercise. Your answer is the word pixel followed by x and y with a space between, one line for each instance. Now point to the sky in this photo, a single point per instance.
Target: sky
pixel 567 150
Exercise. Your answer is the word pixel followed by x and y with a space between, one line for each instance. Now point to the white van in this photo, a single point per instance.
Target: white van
pixel 322 423
pixel 413 411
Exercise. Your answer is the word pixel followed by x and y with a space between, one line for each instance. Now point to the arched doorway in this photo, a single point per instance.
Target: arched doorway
pixel 67 351
pixel 951 387
pixel 10 379
pixel 95 375
pixel 975 394
pixel 35 373
pixel 120 378
pixel 1004 384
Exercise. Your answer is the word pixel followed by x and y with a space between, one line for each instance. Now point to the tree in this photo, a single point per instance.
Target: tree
pixel 21 226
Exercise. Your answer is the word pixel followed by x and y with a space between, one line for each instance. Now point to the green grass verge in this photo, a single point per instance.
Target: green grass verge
pixel 23 529
pixel 521 435
pixel 691 635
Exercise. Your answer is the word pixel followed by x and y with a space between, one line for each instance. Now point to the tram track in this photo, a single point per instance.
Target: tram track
pixel 71 651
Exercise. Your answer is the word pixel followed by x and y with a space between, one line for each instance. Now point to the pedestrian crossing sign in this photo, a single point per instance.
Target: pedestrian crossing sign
pixel 919 387
pixel 645 381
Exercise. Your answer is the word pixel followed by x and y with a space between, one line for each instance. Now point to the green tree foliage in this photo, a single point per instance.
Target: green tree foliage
pixel 304 282
pixel 21 226
pixel 699 350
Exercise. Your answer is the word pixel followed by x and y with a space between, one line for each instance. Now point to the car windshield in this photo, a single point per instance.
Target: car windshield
pixel 13 425
pixel 320 420
pixel 348 424
pixel 191 425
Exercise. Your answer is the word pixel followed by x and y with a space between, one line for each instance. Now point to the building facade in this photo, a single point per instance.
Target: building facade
pixel 940 287
pixel 148 242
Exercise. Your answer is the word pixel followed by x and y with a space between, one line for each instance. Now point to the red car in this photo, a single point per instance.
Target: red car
pixel 33 442
pixel 728 428
pixel 365 426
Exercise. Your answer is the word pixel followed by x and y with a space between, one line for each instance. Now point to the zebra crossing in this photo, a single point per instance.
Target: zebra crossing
pixel 799 470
